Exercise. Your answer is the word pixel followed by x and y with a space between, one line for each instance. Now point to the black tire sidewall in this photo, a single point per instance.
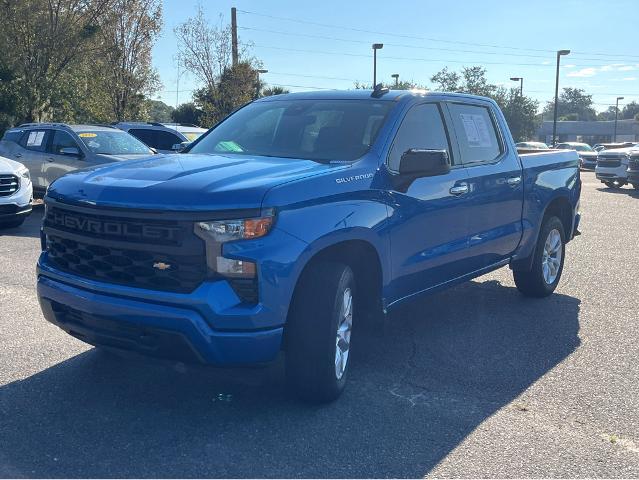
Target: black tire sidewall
pixel 551 223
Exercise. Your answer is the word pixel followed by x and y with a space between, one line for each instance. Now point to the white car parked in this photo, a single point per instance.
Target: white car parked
pixel 16 193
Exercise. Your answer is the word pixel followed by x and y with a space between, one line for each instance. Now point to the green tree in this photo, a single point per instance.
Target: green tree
pixel 275 90
pixel 127 35
pixel 521 114
pixel 46 37
pixel 187 113
pixel 631 110
pixel 573 103
pixel 236 87
pixel 159 111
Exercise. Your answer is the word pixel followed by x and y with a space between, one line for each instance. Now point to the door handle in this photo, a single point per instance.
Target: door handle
pixel 50 159
pixel 459 189
pixel 18 155
pixel 513 181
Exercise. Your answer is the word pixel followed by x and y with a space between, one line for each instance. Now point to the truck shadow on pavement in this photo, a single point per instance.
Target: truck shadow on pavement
pixel 439 368
pixel 30 227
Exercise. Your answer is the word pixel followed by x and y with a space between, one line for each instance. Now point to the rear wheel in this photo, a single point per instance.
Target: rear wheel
pixel 318 332
pixel 548 262
pixel 635 186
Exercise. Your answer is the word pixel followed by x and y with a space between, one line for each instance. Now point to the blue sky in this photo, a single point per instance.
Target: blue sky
pixel 511 39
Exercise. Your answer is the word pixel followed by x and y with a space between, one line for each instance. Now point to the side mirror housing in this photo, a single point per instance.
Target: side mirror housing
pixel 71 151
pixel 418 163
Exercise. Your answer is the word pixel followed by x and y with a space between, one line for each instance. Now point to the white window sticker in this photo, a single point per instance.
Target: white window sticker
pixel 35 139
pixel 477 132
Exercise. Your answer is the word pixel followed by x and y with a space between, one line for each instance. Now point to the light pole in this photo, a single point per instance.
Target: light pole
pixel 396 77
pixel 258 71
pixel 521 84
pixel 376 46
pixel 614 136
pixel 554 120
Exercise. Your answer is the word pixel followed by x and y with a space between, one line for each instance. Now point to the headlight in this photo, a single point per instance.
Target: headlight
pixel 216 233
pixel 24 173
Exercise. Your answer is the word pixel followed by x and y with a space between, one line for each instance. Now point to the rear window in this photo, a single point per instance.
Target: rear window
pixel 13 135
pixel 476 133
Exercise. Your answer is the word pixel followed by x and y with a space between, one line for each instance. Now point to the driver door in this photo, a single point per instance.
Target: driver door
pixel 57 163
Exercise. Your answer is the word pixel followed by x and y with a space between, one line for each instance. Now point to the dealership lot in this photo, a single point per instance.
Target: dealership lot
pixel 474 381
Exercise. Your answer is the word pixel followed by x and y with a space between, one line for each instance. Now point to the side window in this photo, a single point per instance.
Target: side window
pixel 145 135
pixel 35 140
pixel 61 140
pixel 422 127
pixel 166 140
pixel 13 135
pixel 476 134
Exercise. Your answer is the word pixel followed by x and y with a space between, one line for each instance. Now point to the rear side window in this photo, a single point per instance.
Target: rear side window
pixel 476 133
pixel 35 140
pixel 61 140
pixel 156 138
pixel 13 135
pixel 422 128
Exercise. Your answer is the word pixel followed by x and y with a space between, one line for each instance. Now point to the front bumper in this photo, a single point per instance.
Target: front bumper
pixel 18 204
pixel 610 174
pixel 153 329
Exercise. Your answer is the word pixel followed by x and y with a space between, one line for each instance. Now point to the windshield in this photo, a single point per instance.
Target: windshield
pixel 320 130
pixel 116 142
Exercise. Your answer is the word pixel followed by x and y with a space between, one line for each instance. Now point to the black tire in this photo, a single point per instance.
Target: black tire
pixel 635 186
pixel 616 184
pixel 12 223
pixel 311 332
pixel 532 283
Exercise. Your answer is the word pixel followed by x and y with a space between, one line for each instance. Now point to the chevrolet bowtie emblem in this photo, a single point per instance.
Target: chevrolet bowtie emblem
pixel 161 266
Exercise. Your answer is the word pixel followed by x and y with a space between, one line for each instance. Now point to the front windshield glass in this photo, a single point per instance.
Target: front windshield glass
pixel 320 130
pixel 116 142
pixel 192 136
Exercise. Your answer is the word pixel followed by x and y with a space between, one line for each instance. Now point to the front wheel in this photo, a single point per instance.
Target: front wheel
pixel 615 184
pixel 318 332
pixel 548 261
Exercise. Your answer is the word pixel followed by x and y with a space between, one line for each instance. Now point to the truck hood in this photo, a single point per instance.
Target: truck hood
pixel 118 158
pixel 188 182
pixel 619 152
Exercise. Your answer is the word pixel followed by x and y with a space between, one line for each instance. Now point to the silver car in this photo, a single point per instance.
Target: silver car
pixel 50 150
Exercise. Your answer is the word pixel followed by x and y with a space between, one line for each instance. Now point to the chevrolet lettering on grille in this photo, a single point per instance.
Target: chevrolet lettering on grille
pixel 112 227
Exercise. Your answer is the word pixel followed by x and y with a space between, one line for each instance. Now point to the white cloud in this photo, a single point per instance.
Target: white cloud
pixel 584 72
pixel 629 79
pixel 627 68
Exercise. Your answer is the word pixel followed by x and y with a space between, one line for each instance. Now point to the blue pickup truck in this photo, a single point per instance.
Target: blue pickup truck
pixel 296 221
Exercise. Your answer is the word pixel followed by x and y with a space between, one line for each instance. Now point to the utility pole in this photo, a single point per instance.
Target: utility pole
pixel 521 84
pixel 234 53
pixel 614 136
pixel 396 77
pixel 376 46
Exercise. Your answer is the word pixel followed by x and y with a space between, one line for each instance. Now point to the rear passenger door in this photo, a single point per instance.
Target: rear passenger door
pixel 59 164
pixel 33 154
pixel 495 183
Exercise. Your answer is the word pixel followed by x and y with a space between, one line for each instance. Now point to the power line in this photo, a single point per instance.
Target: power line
pixel 386 57
pixel 430 39
pixel 418 47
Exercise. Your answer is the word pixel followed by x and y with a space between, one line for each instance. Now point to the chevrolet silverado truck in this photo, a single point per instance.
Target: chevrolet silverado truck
pixel 295 222
pixel 612 166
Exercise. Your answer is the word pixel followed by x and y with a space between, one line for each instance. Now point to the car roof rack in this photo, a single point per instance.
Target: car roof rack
pixel 43 124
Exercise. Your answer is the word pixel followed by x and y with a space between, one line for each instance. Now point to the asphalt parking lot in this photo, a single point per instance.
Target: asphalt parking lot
pixel 476 381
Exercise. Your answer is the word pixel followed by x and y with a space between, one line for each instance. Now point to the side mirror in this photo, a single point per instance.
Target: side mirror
pixel 70 151
pixel 416 163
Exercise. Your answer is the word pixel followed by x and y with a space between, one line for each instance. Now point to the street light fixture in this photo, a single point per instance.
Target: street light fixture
pixel 614 136
pixel 376 46
pixel 560 53
pixel 396 77
pixel 521 84
pixel 257 72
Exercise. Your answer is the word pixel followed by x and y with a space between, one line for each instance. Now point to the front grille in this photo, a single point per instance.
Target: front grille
pixel 9 185
pixel 633 164
pixel 152 254
pixel 608 162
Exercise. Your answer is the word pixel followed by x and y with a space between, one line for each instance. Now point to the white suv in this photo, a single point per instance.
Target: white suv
pixel 16 193
pixel 612 166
